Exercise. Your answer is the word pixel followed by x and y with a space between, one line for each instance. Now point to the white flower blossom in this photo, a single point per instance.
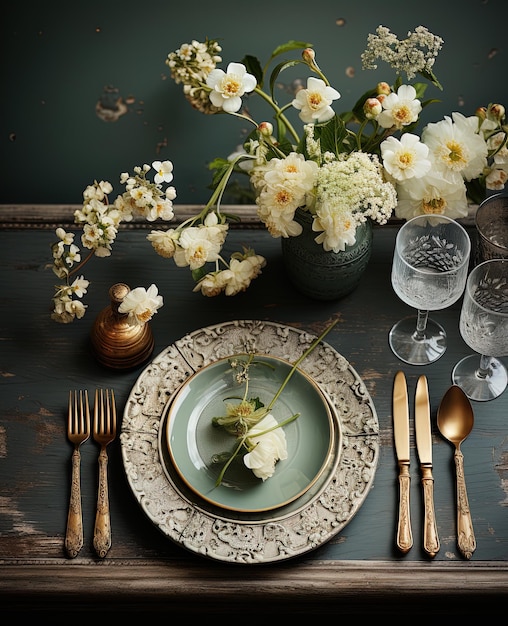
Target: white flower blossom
pixel 213 283
pixel 164 171
pixel 405 157
pixel 456 146
pixel 241 273
pixel 141 305
pixel 229 87
pixel 400 108
pixel 266 448
pixel 314 102
pixel 432 194
pixel 164 242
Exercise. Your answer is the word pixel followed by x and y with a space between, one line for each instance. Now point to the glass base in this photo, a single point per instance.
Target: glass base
pixel 476 387
pixel 408 348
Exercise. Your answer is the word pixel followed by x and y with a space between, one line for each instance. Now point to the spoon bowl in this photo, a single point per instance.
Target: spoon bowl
pixel 455 417
pixel 455 420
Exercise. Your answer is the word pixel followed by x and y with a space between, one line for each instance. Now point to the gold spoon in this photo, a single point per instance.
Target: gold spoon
pixel 455 421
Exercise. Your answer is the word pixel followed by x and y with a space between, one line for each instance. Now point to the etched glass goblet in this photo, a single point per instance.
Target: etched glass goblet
pixel 429 272
pixel 484 327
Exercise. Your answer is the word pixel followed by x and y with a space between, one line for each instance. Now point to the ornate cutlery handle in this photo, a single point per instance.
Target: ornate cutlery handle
pixel 430 536
pixel 404 534
pixel 102 530
pixel 465 533
pixel 74 532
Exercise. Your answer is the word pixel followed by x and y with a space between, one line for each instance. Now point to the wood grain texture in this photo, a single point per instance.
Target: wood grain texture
pixel 359 571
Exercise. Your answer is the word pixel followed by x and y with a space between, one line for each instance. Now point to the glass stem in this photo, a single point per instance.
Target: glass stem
pixel 484 370
pixel 421 325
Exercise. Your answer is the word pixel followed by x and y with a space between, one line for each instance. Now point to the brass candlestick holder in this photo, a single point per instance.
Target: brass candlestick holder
pixel 115 343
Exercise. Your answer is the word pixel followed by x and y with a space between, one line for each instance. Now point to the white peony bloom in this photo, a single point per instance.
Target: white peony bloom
pixel 314 102
pixel 141 305
pixel 405 158
pixel 229 87
pixel 456 146
pixel 212 284
pixel 200 244
pixel 164 242
pixel 432 194
pixel 241 273
pixel 266 449
pixel 339 228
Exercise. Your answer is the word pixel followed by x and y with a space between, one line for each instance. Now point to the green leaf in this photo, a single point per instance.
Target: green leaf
pixel 277 70
pixel 420 89
pixel 331 135
pixel 257 403
pixel 254 67
pixel 220 168
pixel 198 274
pixel 430 76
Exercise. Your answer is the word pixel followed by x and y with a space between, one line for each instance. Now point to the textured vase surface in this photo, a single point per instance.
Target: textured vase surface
pixel 324 275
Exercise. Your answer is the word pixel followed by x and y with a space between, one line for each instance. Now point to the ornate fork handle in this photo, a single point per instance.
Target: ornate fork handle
pixel 74 532
pixel 102 530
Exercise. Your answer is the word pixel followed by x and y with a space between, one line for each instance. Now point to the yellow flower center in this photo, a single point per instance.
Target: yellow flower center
pixel 231 86
pixel 283 197
pixel 402 114
pixel 405 159
pixel 456 152
pixel 315 100
pixel 434 206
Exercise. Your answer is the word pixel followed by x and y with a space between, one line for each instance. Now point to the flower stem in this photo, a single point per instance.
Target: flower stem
pixel 279 113
pixel 297 363
pixel 230 460
pixel 84 262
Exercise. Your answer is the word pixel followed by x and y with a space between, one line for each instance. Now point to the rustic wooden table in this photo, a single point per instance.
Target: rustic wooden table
pixel 359 571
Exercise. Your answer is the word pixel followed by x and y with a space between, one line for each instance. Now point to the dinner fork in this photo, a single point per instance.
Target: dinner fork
pixel 104 431
pixel 78 431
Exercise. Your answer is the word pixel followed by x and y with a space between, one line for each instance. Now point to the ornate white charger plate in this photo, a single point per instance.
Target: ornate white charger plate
pixel 233 537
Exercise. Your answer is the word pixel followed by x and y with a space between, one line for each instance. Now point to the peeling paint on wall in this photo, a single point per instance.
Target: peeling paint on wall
pixel 111 106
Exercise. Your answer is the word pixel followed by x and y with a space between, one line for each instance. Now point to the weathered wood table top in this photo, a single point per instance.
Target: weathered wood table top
pixel 359 571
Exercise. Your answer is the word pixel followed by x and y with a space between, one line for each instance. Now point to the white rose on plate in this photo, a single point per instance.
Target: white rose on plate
pixel 266 443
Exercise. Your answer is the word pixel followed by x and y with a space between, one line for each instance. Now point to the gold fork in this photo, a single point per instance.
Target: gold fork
pixel 104 431
pixel 78 431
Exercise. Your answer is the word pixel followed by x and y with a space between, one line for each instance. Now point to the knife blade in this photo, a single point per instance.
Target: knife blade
pixel 404 536
pixel 424 446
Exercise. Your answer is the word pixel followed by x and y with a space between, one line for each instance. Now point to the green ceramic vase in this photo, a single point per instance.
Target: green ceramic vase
pixel 325 275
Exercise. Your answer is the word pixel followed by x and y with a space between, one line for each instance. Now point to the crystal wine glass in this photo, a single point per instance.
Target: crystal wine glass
pixel 429 272
pixel 484 327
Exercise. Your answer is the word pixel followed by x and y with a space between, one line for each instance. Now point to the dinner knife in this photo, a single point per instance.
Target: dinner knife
pixel 424 446
pixel 401 436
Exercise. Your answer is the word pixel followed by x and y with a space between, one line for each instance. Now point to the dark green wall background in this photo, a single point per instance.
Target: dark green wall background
pixel 60 60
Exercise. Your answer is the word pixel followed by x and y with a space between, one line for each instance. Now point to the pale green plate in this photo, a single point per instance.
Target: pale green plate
pixel 193 441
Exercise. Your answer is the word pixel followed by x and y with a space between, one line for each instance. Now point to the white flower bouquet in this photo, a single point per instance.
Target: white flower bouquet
pixel 344 168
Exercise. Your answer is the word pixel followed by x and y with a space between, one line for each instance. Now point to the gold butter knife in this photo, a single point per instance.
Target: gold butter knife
pixel 404 538
pixel 424 446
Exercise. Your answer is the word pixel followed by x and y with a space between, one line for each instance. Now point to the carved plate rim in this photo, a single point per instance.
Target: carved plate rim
pixel 235 538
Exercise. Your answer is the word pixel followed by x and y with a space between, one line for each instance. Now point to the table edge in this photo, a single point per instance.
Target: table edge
pixel 307 586
pixel 50 216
